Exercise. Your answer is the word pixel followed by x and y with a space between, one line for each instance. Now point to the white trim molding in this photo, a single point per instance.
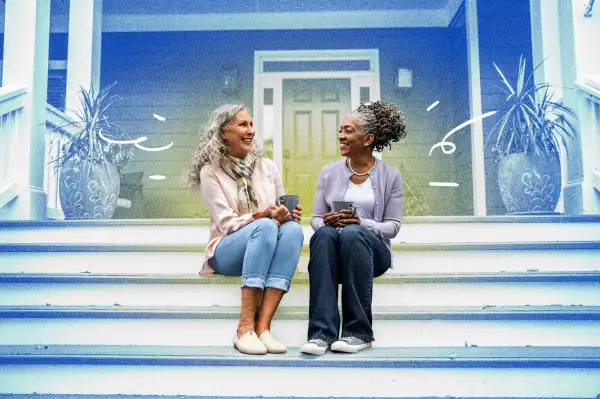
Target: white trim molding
pixel 9 193
pixel 477 152
pixel 274 80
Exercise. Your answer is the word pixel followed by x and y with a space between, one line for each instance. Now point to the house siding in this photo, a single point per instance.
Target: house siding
pixel 178 75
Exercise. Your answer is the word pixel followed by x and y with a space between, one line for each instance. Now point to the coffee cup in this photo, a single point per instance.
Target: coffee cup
pixel 289 201
pixel 339 205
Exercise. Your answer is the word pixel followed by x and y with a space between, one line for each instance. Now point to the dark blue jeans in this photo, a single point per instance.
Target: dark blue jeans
pixel 351 257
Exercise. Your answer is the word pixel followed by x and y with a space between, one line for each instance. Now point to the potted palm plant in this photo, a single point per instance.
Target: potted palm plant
pixel 91 160
pixel 527 143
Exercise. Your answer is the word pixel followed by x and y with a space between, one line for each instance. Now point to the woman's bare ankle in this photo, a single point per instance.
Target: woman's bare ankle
pixel 243 329
pixel 262 328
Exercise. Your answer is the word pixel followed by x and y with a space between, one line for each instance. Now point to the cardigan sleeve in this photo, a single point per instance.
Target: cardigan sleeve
pixel 320 206
pixel 389 227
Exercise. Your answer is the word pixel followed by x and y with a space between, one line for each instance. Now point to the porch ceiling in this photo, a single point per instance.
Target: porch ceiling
pixel 260 6
pixel 192 15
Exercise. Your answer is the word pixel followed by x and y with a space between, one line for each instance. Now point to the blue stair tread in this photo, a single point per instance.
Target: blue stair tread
pixel 559 218
pixel 551 312
pixel 87 396
pixel 299 278
pixel 419 357
pixel 133 247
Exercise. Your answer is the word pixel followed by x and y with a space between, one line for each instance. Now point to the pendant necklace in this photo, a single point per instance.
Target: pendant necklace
pixel 362 174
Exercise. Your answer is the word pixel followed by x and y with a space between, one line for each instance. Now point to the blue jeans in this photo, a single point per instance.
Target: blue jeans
pixel 263 254
pixel 351 257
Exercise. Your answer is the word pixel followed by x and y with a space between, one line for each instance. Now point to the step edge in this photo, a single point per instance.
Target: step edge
pixel 300 278
pixel 396 247
pixel 201 222
pixel 469 313
pixel 525 357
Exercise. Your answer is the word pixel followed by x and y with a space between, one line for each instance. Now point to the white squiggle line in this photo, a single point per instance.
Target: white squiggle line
pixel 452 146
pixel 432 106
pixel 166 147
pixel 442 184
pixel 138 140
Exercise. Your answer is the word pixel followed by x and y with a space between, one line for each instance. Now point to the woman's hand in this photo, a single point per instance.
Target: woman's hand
pixel 347 217
pixel 330 219
pixel 279 213
pixel 297 213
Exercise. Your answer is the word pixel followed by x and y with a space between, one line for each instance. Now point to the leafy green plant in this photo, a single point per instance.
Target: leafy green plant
pixel 414 199
pixel 91 121
pixel 530 120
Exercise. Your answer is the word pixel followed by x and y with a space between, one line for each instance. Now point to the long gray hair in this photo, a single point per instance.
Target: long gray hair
pixel 212 147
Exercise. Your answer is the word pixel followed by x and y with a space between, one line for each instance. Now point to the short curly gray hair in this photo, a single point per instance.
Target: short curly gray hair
pixel 213 147
pixel 383 121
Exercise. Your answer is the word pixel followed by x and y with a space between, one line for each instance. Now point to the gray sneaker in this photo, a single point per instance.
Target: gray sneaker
pixel 350 345
pixel 315 347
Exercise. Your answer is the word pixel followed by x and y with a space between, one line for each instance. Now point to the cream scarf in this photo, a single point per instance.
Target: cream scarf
pixel 241 171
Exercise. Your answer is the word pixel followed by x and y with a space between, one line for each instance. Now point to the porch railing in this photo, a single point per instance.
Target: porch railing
pixel 590 141
pixel 11 107
pixel 59 127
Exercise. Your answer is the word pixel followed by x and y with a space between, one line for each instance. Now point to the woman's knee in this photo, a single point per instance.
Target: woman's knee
pixel 324 234
pixel 291 231
pixel 265 227
pixel 352 233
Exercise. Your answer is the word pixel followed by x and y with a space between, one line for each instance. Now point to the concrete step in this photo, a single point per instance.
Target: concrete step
pixel 215 326
pixel 414 230
pixel 379 372
pixel 407 258
pixel 418 290
pixel 50 396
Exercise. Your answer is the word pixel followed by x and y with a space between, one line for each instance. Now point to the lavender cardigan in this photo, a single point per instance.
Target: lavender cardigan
pixel 389 194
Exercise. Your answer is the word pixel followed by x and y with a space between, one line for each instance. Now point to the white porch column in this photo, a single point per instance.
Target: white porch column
pixel 477 151
pixel 85 40
pixel 568 66
pixel 553 40
pixel 26 40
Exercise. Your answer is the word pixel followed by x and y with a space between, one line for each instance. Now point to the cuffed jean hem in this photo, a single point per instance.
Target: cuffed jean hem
pixel 253 282
pixel 323 337
pixel 364 337
pixel 280 282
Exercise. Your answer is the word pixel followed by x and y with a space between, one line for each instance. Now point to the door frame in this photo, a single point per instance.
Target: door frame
pixel 274 80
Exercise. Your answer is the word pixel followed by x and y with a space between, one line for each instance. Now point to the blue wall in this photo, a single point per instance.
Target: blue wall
pixel 178 75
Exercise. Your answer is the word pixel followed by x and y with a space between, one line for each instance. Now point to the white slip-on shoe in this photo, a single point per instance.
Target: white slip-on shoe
pixel 316 347
pixel 273 346
pixel 249 344
pixel 350 345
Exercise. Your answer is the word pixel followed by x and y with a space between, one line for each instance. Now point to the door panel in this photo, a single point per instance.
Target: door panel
pixel 312 112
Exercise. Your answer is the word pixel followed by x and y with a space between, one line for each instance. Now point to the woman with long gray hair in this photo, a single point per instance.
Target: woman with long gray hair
pixel 250 235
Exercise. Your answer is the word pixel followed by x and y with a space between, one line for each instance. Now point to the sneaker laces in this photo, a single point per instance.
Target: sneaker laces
pixel 347 339
pixel 315 341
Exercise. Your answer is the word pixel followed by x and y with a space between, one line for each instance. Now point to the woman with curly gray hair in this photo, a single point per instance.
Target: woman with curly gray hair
pixel 250 235
pixel 352 246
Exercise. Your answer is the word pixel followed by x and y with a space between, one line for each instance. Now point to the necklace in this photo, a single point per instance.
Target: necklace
pixel 362 174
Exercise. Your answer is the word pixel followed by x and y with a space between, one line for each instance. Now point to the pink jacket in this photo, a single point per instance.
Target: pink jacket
pixel 219 192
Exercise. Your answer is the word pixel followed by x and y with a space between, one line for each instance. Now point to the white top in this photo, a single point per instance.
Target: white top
pixel 363 197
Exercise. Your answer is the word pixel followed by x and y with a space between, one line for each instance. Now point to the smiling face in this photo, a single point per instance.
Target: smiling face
pixel 238 134
pixel 353 139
